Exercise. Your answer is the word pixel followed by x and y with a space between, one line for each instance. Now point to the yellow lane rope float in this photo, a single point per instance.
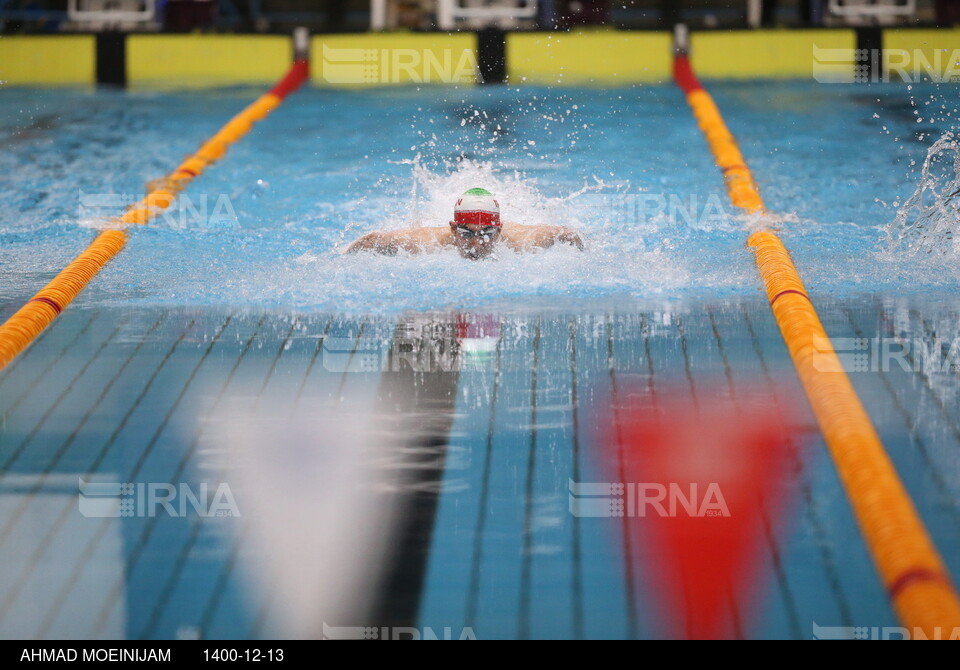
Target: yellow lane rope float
pixel 911 568
pixel 40 311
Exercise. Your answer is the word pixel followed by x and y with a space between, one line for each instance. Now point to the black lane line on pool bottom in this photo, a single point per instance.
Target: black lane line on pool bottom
pixel 173 579
pixel 53 530
pixel 136 552
pixel 576 576
pixel 523 628
pixel 473 592
pixel 629 572
pixel 947 499
pixel 789 601
pixel 402 394
pixel 111 600
pixel 48 469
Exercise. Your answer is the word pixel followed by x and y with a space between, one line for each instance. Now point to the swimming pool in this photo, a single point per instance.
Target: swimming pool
pixel 238 346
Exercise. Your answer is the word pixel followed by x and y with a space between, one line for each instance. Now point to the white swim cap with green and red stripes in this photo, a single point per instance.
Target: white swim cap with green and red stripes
pixel 478 207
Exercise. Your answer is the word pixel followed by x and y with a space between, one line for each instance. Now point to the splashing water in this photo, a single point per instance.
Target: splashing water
pixel 928 220
pixel 621 167
pixel 647 258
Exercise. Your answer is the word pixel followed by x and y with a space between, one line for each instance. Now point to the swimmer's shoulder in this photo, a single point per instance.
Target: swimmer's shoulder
pixel 440 235
pixel 424 239
pixel 514 231
pixel 521 233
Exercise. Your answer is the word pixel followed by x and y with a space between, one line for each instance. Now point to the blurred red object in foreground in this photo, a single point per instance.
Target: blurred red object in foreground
pixel 702 480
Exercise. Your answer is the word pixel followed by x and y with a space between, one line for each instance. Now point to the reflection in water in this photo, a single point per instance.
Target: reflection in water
pixel 420 472
pixel 415 406
pixel 345 496
pixel 910 339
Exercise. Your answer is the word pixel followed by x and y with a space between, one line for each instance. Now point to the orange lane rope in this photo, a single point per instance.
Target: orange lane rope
pixel 909 564
pixel 40 311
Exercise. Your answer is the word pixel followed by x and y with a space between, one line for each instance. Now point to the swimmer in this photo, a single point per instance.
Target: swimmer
pixel 475 232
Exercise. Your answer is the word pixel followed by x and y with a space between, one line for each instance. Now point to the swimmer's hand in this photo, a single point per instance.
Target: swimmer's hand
pixel 567 236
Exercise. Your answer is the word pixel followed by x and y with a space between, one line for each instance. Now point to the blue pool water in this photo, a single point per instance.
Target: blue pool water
pixel 239 347
pixel 832 163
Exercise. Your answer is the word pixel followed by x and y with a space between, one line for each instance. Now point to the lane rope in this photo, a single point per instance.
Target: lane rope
pixel 29 321
pixel 912 570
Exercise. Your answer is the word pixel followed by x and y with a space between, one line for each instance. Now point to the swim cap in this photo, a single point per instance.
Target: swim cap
pixel 477 207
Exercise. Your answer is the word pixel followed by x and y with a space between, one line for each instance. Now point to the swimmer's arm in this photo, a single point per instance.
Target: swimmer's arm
pixel 547 236
pixel 379 242
pixel 411 240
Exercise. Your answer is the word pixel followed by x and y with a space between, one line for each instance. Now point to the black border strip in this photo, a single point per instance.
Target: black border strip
pixel 112 58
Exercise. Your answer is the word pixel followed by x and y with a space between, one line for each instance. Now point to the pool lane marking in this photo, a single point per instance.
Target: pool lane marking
pixel 827 557
pixel 138 549
pixel 18 451
pixel 7 601
pixel 29 321
pixel 912 570
pixel 209 611
pixel 479 533
pixel 15 516
pixel 306 375
pixel 75 577
pixel 7 411
pixel 909 420
pixel 789 602
pixel 576 569
pixel 629 573
pixel 173 579
pixel 526 562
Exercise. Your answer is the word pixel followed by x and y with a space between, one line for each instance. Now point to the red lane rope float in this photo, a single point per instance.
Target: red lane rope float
pixel 910 566
pixel 30 320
